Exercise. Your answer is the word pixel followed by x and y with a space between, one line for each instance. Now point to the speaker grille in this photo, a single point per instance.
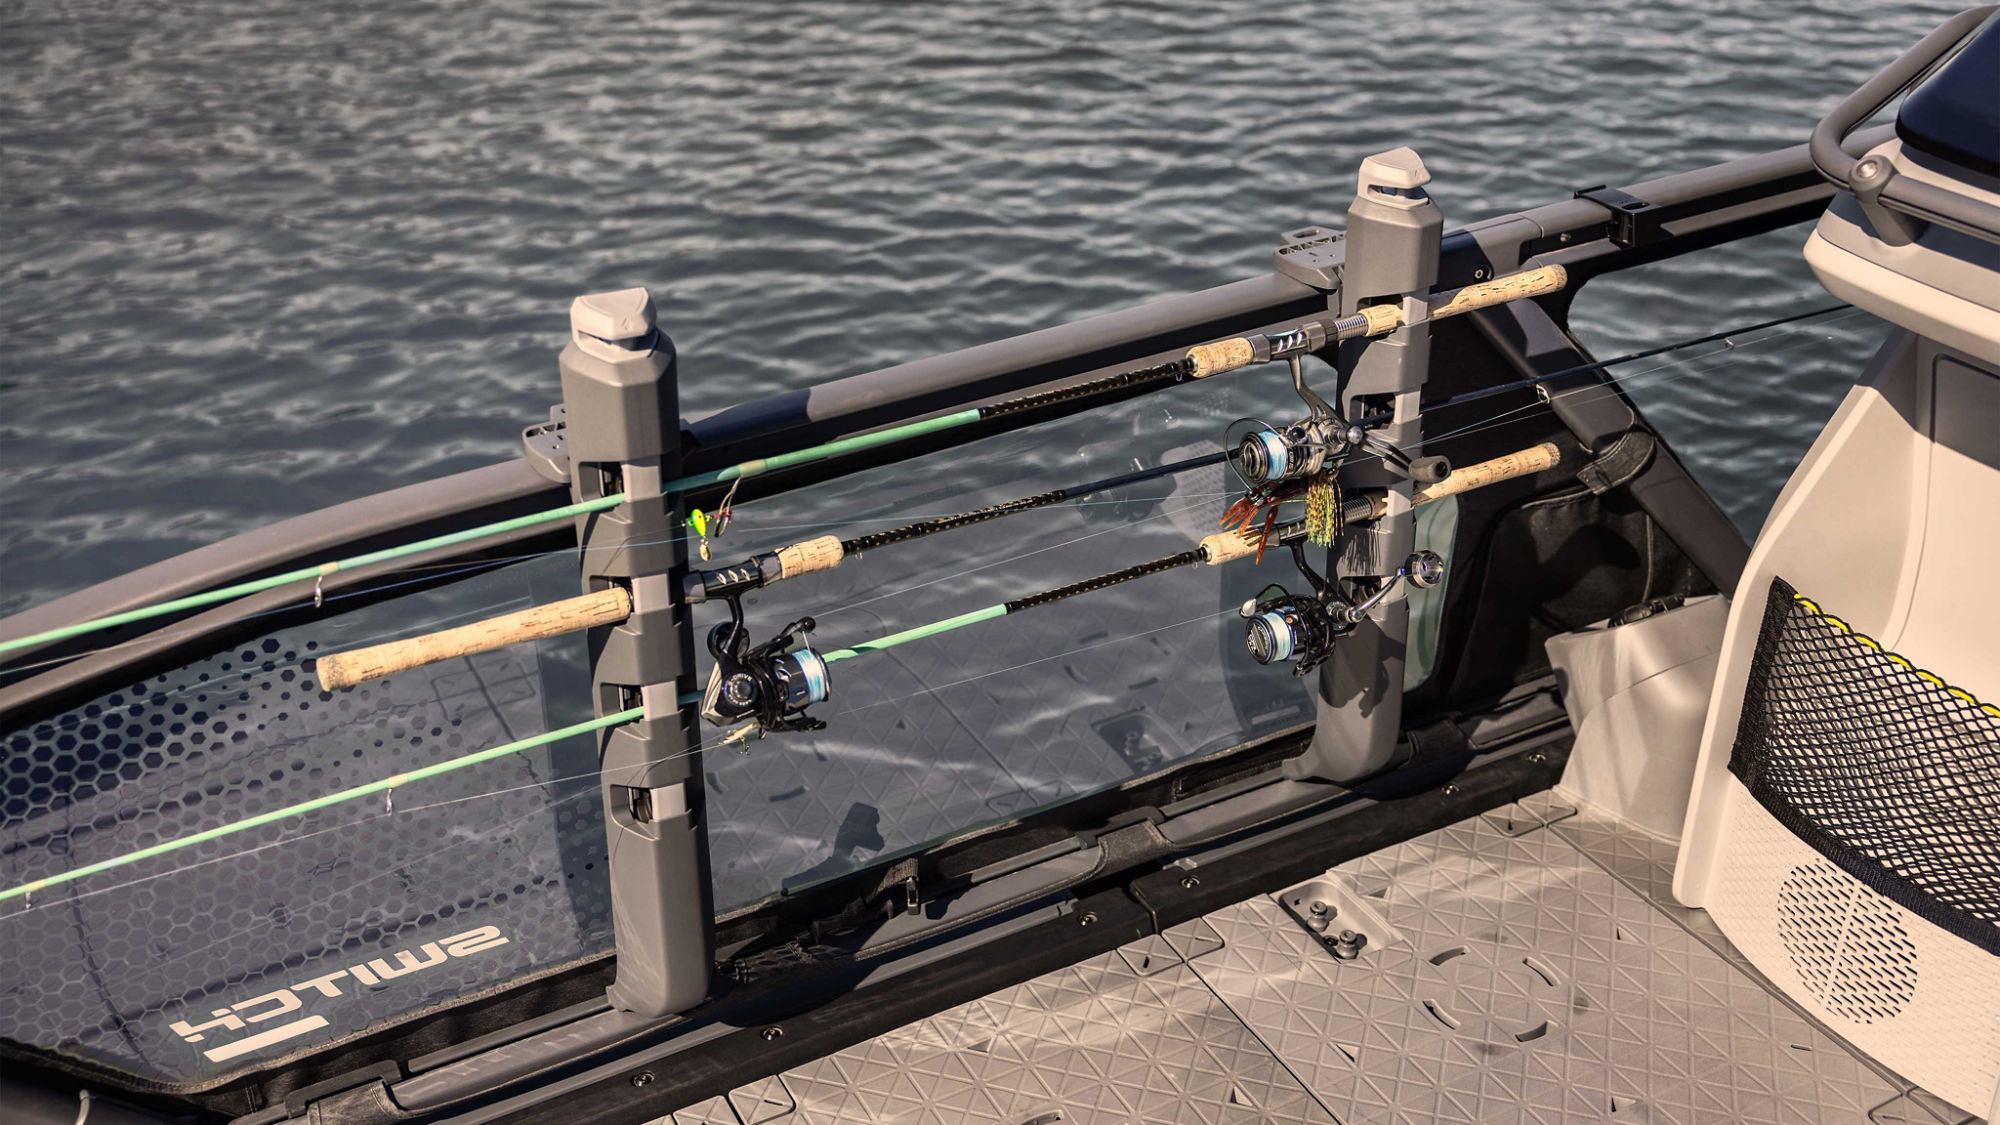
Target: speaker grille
pixel 1850 952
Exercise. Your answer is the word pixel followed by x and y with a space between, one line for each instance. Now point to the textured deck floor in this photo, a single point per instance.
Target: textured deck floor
pixel 1523 966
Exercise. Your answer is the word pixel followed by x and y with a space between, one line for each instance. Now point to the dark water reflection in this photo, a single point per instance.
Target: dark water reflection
pixel 261 257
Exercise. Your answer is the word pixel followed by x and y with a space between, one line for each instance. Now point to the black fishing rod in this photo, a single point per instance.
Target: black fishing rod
pixel 1198 362
pixel 726 583
pixel 1602 364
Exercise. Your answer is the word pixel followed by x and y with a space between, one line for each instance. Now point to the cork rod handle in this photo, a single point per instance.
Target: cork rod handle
pixel 1379 320
pixel 344 670
pixel 1537 282
pixel 1218 356
pixel 1526 462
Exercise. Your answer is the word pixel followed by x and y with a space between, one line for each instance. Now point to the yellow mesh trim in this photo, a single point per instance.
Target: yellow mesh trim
pixel 1929 677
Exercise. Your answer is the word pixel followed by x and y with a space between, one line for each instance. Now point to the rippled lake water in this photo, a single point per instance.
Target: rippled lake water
pixel 261 257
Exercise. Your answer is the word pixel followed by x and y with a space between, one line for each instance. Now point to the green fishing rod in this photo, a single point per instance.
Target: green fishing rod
pixel 802 664
pixel 799 676
pixel 385 785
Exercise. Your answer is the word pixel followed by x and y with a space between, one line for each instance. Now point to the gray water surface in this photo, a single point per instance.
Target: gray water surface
pixel 260 257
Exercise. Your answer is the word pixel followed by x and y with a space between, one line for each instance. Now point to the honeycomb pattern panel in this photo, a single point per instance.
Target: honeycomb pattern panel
pixel 240 951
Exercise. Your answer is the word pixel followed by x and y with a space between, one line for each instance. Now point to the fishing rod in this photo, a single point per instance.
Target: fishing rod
pixel 770 687
pixel 1175 370
pixel 1270 460
pixel 1199 362
pixel 352 793
pixel 784 676
pixel 339 671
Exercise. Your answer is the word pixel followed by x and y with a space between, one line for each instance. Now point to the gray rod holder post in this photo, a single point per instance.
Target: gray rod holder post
pixel 1393 234
pixel 624 432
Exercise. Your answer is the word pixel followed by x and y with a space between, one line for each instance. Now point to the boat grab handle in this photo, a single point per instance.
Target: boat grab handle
pixel 1912 197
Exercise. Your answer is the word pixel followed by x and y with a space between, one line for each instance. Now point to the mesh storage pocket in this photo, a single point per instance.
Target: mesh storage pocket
pixel 1880 766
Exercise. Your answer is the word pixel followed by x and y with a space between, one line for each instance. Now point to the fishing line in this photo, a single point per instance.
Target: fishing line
pixel 1600 365
pixel 1639 378
pixel 933 689
pixel 1636 378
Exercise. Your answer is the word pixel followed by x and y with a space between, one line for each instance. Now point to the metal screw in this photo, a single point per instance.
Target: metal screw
pixel 643 1078
pixel 1565 237
pixel 1449 790
pixel 1190 883
pixel 1086 918
pixel 1479 274
pixel 1538 756
pixel 772 1034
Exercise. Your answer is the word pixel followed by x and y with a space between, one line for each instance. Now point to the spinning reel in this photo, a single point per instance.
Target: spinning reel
pixel 770 684
pixel 1301 460
pixel 1300 629
pixel 1270 456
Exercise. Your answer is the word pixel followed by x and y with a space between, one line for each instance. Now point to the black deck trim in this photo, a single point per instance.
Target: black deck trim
pixel 1123 912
